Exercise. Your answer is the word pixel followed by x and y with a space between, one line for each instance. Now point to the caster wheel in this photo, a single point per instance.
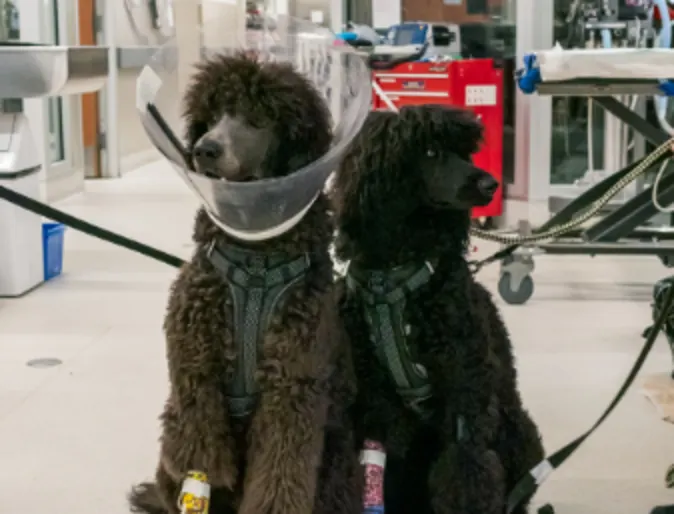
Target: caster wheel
pixel 669 477
pixel 546 509
pixel 518 297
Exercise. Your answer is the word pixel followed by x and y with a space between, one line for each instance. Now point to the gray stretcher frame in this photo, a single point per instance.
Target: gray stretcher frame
pixel 622 231
pixel 599 87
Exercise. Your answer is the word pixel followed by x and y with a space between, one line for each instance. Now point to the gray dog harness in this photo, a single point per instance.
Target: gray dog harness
pixel 384 294
pixel 257 283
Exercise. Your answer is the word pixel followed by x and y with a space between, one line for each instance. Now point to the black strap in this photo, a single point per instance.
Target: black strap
pixel 257 284
pixel 42 209
pixel 272 277
pixel 384 295
pixel 396 294
pixel 476 266
pixel 528 484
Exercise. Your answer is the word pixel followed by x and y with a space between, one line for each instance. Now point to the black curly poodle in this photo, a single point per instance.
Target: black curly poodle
pixel 436 375
pixel 284 445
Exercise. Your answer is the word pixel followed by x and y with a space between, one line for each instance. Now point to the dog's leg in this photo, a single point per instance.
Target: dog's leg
pixel 468 476
pixel 519 447
pixel 168 490
pixel 467 480
pixel 518 441
pixel 287 433
pixel 286 444
pixel 159 497
pixel 341 477
pixel 196 437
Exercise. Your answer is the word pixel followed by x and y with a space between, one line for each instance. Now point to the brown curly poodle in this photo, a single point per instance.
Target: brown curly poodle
pixel 434 363
pixel 289 449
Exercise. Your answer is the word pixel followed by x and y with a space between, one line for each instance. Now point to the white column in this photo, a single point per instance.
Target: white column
pixel 224 23
pixel 32 29
pixel 533 124
pixel 188 39
pixel 277 7
pixel 337 12
pixel 110 94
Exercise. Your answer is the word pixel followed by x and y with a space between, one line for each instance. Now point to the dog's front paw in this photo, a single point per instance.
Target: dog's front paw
pixel 468 480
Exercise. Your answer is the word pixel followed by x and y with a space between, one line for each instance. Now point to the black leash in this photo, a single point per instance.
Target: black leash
pixel 528 485
pixel 476 266
pixel 41 209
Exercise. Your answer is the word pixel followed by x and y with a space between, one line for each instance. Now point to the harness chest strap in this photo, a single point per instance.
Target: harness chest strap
pixel 257 284
pixel 384 296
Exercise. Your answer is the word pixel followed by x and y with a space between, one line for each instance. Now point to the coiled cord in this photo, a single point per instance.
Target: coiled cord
pixel 640 169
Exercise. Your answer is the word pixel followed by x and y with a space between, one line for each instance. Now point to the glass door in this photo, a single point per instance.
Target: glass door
pixel 587 144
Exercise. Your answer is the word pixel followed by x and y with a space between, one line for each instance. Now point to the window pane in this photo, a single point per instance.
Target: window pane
pixel 9 21
pixel 577 144
pixel 56 129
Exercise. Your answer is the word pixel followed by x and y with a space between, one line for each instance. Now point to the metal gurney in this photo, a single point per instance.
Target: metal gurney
pixel 600 74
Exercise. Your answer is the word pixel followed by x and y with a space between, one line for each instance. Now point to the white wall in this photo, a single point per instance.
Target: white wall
pixel 386 13
pixel 125 132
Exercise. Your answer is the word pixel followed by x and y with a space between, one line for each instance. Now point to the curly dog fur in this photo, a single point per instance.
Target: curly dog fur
pixel 294 453
pixel 454 331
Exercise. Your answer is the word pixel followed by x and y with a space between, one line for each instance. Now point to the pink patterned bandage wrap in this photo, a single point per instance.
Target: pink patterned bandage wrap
pixel 373 460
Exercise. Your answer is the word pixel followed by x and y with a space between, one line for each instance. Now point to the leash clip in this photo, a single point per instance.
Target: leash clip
pixel 475 266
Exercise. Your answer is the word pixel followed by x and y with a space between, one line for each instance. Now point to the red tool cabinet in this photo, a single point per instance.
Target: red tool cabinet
pixel 476 84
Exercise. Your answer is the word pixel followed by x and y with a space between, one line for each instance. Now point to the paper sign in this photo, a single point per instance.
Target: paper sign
pixel 147 87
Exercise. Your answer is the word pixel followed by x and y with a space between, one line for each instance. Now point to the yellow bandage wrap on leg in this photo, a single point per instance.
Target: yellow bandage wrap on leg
pixel 195 494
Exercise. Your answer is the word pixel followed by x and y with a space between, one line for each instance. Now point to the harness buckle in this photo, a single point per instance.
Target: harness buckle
pixel 210 248
pixel 256 281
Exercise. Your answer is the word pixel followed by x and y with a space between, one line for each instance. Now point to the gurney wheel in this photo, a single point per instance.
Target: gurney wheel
pixel 669 477
pixel 521 295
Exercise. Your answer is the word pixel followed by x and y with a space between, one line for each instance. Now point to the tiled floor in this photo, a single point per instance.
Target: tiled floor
pixel 73 438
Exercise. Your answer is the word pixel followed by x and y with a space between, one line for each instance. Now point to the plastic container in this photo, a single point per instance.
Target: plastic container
pixel 52 244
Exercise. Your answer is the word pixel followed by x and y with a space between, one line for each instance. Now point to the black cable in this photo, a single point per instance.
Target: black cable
pixel 41 209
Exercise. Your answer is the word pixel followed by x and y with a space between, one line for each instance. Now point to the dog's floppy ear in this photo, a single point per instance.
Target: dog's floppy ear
pixel 460 128
pixel 375 180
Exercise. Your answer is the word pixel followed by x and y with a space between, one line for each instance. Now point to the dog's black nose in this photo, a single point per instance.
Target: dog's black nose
pixel 207 152
pixel 487 185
